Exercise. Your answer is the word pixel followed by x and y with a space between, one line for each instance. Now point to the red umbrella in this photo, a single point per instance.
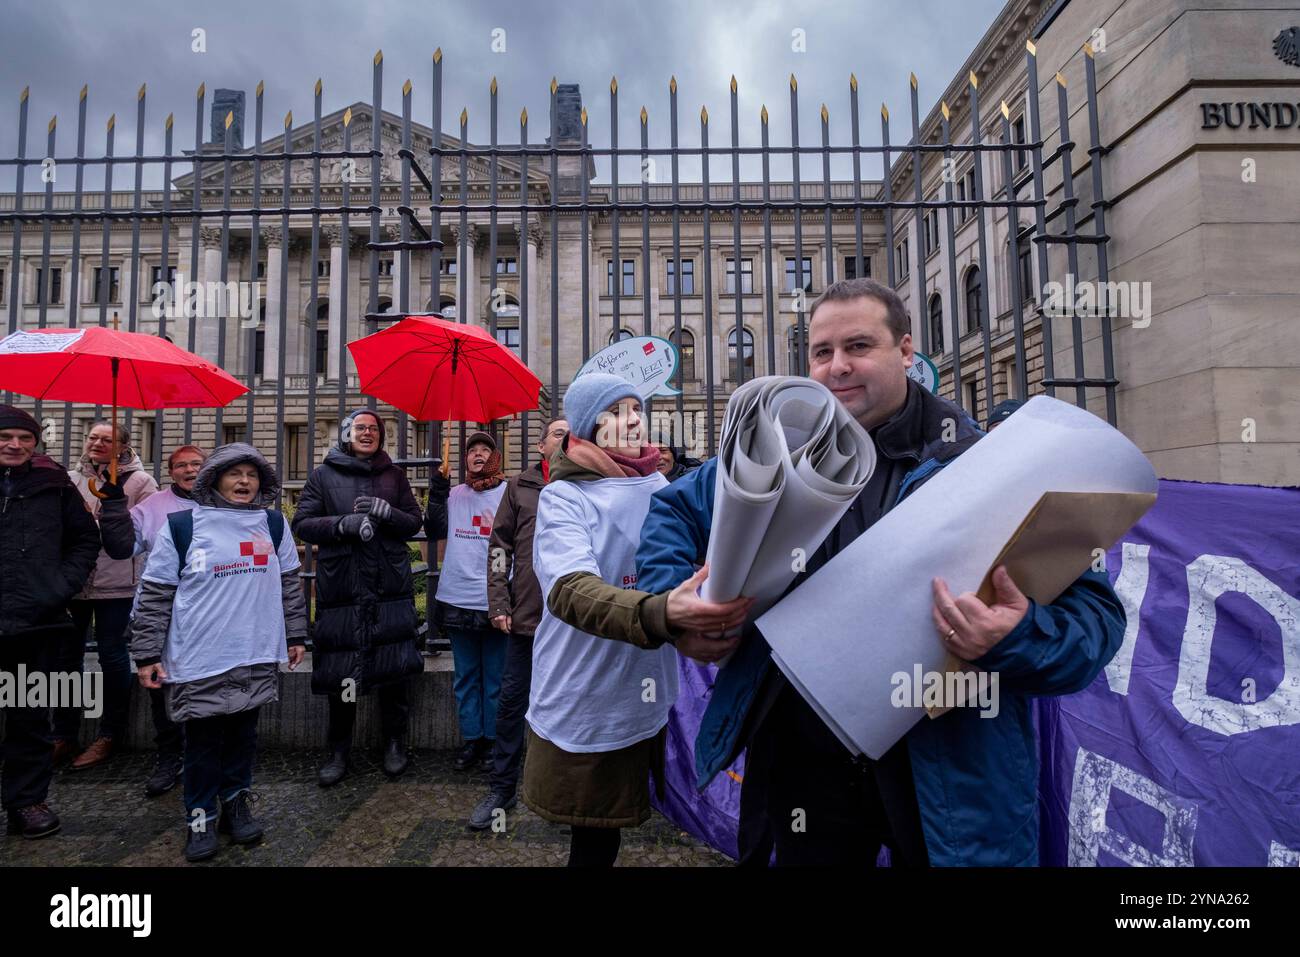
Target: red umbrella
pixel 107 366
pixel 433 369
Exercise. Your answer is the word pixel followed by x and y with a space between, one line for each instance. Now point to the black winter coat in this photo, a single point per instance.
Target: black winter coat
pixel 48 546
pixel 365 620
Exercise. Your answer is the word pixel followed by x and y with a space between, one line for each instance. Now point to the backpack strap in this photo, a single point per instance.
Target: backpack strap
pixel 182 528
pixel 275 520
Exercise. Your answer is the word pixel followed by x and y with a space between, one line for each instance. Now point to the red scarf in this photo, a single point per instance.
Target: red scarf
pixel 611 464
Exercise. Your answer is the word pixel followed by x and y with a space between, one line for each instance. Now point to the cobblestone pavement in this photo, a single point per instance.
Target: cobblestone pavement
pixel 364 820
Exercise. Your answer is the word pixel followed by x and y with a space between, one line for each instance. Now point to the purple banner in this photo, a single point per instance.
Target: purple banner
pixel 1186 749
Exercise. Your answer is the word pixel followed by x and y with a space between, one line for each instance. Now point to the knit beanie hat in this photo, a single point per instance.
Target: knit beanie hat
pixel 590 395
pixel 480 436
pixel 12 417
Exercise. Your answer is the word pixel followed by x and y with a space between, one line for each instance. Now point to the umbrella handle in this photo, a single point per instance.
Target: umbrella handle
pixel 445 467
pixel 112 462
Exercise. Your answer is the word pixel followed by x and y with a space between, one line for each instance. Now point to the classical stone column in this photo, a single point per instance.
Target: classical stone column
pixel 467 266
pixel 338 249
pixel 393 234
pixel 207 326
pixel 273 242
pixel 532 251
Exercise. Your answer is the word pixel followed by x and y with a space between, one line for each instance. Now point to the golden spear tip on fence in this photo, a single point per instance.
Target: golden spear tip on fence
pixel 168 124
pixel 884 112
pixel 407 87
pixel 826 114
pixel 583 116
pixel 733 83
pixel 912 79
pixel 85 90
pixel 464 115
pixel 261 88
pixel 613 85
pixel 140 94
pixel 1087 48
pixel 943 108
pixel 554 86
pixel 379 57
pixel 523 116
pixel 230 118
pixel 112 121
pixel 347 117
pixel 1060 79
pixel 672 84
pixel 1029 46
pixel 54 121
pixel 492 87
pixel 763 114
pixel 645 117
pixel 853 82
pixel 1006 111
pixel 704 115
pixel 202 88
pixel 288 119
pixel 793 83
pixel 437 55
pixel 974 80
pixel 318 86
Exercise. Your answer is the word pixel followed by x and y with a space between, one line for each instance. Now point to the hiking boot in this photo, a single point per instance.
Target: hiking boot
pixel 166 772
pixel 237 819
pixel 468 756
pixel 395 758
pixel 335 769
pixel 100 750
pixel 200 844
pixel 480 819
pixel 33 821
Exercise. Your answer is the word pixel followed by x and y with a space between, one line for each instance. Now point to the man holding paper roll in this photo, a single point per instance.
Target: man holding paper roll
pixel 956 790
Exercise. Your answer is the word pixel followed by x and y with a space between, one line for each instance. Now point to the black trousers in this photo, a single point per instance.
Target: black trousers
pixel 219 754
pixel 25 775
pixel 516 678
pixel 168 734
pixel 824 808
pixel 111 616
pixel 394 713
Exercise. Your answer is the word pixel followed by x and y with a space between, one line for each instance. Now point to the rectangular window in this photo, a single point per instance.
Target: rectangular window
pixel 447 267
pixel 149 435
pixel 233 433
pixel 507 265
pixel 156 276
pixel 259 346
pixel 295 447
pixel 322 349
pixel 261 269
pixel 385 267
pixel 688 278
pixel 508 336
pixel 931 231
pixel 1018 136
pixel 3 292
pixel 629 277
pixel 322 268
pixel 746 276
pixel 1027 291
pixel 114 288
pixel 972 397
pixel 791 282
pixel 51 289
pixel 902 259
pixel 968 192
pixel 851 267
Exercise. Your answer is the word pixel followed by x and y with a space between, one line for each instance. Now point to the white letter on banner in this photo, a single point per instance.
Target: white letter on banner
pixel 1207 578
pixel 1131 587
pixel 1279 855
pixel 1095 776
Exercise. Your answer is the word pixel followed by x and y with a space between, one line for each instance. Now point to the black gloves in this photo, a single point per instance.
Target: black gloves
pixel 439 486
pixel 356 525
pixel 377 508
pixel 109 491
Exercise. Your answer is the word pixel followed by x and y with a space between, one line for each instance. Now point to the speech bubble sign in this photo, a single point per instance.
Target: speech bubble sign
pixel 648 362
pixel 924 371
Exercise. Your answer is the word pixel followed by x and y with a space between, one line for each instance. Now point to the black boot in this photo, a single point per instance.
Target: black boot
pixel 468 756
pixel 395 758
pixel 201 841
pixel 237 819
pixel 166 772
pixel 335 769
pixel 36 820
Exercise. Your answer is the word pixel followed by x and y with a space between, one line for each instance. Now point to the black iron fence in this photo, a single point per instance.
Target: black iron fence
pixel 552 186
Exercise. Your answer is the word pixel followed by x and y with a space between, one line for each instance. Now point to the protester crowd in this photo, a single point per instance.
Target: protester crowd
pixel 567 591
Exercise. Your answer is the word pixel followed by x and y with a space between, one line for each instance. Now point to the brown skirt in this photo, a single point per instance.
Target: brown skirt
pixel 598 789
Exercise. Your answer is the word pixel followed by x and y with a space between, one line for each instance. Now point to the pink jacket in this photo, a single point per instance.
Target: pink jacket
pixel 114 578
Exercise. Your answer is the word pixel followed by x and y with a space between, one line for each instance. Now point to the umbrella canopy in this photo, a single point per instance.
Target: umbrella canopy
pixel 433 369
pixel 102 365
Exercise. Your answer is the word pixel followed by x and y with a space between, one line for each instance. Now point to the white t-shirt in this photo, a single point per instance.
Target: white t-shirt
pixel 594 694
pixel 463 581
pixel 228 611
pixel 151 515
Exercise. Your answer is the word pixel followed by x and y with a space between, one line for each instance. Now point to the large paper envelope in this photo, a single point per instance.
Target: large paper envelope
pixel 1059 539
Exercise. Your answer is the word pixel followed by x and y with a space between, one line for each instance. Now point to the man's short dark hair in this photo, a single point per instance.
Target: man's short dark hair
pixel 846 289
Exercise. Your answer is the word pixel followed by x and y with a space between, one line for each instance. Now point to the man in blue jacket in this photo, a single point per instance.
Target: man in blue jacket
pixel 960 789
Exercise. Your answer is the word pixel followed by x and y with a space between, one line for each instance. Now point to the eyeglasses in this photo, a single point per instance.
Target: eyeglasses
pixel 364 429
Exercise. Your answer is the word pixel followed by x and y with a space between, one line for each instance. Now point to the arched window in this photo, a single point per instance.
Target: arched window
pixel 447 309
pixel 936 324
pixel 974 315
pixel 747 355
pixel 622 334
pixel 792 364
pixel 685 353
pixel 385 305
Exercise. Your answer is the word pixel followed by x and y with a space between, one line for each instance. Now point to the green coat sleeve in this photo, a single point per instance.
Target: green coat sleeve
pixel 589 604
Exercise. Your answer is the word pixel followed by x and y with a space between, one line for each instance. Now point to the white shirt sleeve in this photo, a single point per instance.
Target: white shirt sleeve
pixel 161 566
pixel 288 553
pixel 562 541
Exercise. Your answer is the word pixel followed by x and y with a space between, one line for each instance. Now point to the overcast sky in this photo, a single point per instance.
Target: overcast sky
pixel 54 46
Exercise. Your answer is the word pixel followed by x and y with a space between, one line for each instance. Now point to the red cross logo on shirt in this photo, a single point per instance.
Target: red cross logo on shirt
pixel 484 524
pixel 648 348
pixel 260 551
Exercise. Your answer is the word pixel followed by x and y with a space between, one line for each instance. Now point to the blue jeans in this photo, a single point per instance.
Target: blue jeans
pixel 219 755
pixel 111 617
pixel 480 656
